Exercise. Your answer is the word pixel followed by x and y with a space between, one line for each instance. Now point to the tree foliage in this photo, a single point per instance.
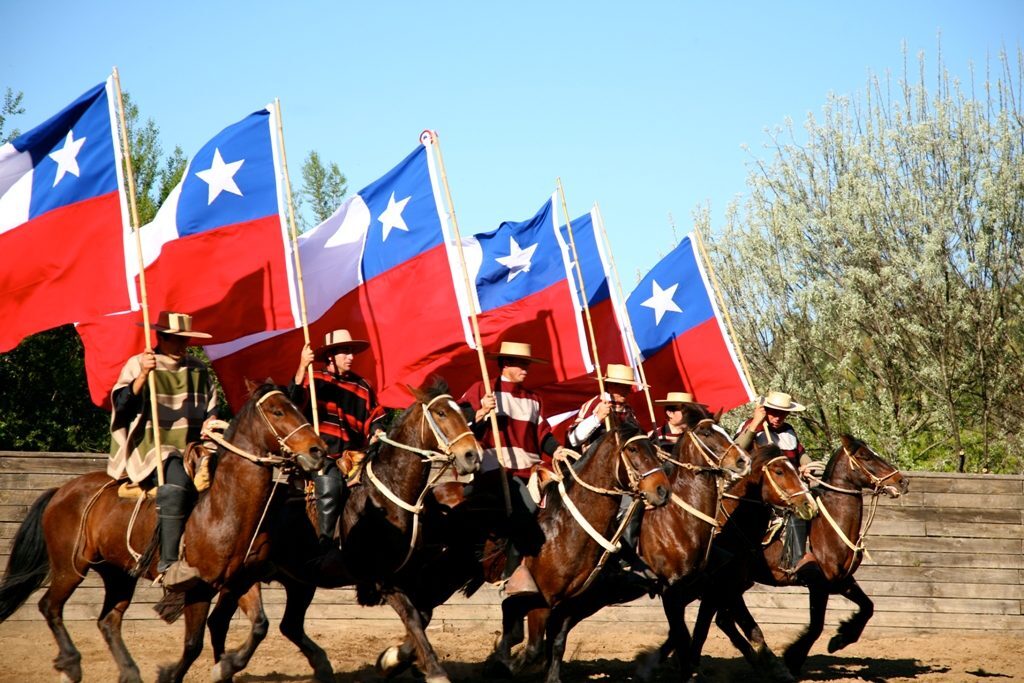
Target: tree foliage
pixel 10 107
pixel 323 188
pixel 875 270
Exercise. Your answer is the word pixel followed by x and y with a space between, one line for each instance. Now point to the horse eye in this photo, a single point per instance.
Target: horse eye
pixel 278 412
pixel 440 413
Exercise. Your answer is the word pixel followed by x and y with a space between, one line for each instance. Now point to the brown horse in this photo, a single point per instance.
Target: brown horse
pixel 381 526
pixel 83 525
pixel 836 538
pixel 744 514
pixel 577 525
pixel 674 538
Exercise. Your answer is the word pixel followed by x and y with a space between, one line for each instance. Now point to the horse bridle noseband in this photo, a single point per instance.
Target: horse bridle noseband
pixel 288 455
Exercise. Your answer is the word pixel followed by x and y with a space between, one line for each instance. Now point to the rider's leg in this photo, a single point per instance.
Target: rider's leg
pixel 329 489
pixel 174 501
pixel 524 511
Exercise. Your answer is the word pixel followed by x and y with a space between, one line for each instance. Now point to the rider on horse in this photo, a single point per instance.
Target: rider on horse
pixel 667 435
pixel 769 425
pixel 527 445
pixel 589 426
pixel 349 414
pixel 187 400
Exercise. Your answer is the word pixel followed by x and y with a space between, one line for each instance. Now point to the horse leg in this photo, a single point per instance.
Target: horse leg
pixel 397 658
pixel 678 640
pixel 68 660
pixel 425 655
pixel 197 607
pixel 757 651
pixel 796 653
pixel 850 630
pixel 118 591
pixel 531 654
pixel 689 661
pixel 231 662
pixel 557 630
pixel 298 596
pixel 500 663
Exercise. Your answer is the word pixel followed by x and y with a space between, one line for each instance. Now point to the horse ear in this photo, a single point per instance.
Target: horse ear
pixel 250 386
pixel 416 393
pixel 848 442
pixel 718 415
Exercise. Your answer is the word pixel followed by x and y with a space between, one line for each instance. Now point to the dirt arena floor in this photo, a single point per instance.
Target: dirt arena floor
pixel 596 652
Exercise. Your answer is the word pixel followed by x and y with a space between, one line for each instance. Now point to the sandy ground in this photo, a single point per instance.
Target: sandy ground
pixel 596 652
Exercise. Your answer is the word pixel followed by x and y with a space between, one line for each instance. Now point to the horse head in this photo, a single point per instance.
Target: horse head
pixel 277 425
pixel 448 428
pixel 702 432
pixel 639 465
pixel 865 469
pixel 781 485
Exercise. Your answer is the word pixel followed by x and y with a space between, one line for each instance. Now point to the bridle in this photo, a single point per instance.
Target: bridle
pixel 288 455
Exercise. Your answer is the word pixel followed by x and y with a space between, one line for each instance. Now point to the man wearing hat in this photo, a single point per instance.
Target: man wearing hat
pixel 187 400
pixel 667 435
pixel 348 414
pixel 527 447
pixel 768 425
pixel 589 423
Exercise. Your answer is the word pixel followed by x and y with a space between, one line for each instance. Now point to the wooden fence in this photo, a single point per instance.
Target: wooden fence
pixel 947 556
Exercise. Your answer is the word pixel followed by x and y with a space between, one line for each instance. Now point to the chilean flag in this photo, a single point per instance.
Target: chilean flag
pixel 217 249
pixel 378 267
pixel 604 306
pixel 679 332
pixel 62 217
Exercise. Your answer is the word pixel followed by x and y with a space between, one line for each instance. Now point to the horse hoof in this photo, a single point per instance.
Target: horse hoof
pixel 495 668
pixel 836 644
pixel 65 678
pixel 390 662
pixel 438 679
pixel 222 671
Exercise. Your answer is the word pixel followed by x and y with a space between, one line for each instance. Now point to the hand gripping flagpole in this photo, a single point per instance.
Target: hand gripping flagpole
pixel 634 348
pixel 293 231
pixel 721 305
pixel 144 299
pixel 471 304
pixel 583 298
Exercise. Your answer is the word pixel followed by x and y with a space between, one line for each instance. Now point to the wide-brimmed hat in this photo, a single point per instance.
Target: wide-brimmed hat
pixel 179 324
pixel 520 350
pixel 621 374
pixel 339 339
pixel 677 398
pixel 778 400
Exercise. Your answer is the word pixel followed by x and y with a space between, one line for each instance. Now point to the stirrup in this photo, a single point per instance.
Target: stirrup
pixel 521 583
pixel 180 576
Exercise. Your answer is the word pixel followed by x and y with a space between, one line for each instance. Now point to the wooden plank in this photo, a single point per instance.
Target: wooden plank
pixel 72 466
pixel 978 484
pixel 994 501
pixel 13 513
pixel 978 546
pixel 960 515
pixel 923 559
pixel 32 481
pixel 944 590
pixel 884 603
pixel 960 530
pixel 19 497
pixel 912 574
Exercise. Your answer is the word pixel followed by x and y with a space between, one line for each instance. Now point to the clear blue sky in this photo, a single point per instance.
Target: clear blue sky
pixel 641 106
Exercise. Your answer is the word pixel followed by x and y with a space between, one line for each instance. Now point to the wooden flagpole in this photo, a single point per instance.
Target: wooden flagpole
pixel 721 305
pixel 583 298
pixel 634 348
pixel 298 262
pixel 471 303
pixel 144 299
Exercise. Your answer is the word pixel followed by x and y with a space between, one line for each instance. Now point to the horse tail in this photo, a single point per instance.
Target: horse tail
pixel 29 563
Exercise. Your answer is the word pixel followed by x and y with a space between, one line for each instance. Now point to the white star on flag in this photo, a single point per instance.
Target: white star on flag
pixel 392 219
pixel 67 157
pixel 518 260
pixel 220 177
pixel 661 301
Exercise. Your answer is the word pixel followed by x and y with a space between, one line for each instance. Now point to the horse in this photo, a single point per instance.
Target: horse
pixel 852 468
pixel 674 539
pixel 85 525
pixel 576 526
pixel 381 529
pixel 744 513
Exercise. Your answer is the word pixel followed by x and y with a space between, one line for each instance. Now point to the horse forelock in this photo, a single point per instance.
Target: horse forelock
pixel 249 409
pixel 830 466
pixel 693 414
pixel 435 386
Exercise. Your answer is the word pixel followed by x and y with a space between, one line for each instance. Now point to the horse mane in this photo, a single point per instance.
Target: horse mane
pixel 831 464
pixel 435 386
pixel 247 410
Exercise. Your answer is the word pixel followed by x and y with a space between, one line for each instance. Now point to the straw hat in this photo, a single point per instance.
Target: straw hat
pixel 179 324
pixel 621 374
pixel 676 398
pixel 778 400
pixel 516 350
pixel 339 339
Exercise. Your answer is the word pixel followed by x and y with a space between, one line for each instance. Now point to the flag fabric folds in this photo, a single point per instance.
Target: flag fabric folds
pixel 218 249
pixel 680 333
pixel 378 267
pixel 62 216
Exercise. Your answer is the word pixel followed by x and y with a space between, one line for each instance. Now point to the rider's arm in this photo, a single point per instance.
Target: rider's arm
pixel 745 438
pixel 582 430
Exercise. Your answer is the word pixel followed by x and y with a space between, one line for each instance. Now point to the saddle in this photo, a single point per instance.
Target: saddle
pixel 197 467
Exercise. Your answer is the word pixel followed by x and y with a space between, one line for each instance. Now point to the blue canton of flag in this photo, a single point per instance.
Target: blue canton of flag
pixel 231 180
pixel 585 238
pixel 670 300
pixel 519 259
pixel 404 219
pixel 76 142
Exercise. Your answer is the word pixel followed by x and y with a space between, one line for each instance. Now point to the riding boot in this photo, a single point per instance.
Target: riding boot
pixel 519 580
pixel 797 555
pixel 629 559
pixel 329 491
pixel 173 505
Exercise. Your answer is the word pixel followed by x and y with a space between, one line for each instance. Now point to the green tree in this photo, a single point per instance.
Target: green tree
pixel 323 188
pixel 875 269
pixel 11 107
